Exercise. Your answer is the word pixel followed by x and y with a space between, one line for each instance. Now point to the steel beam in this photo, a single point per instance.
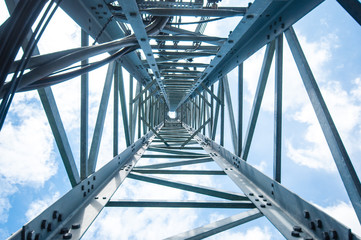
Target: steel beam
pixel 218 226
pixel 230 112
pixel 179 204
pixel 99 125
pixel 71 215
pixel 287 211
pixel 343 162
pixel 278 109
pixel 267 61
pixel 188 187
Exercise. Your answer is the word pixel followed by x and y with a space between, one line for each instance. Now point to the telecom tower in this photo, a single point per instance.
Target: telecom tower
pixel 177 110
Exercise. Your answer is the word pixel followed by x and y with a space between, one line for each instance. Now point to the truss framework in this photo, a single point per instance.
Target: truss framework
pixel 169 77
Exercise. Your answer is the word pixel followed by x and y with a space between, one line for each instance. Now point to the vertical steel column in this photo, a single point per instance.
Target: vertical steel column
pixel 116 110
pixel 267 61
pixel 230 112
pixel 278 109
pixel 222 111
pixel 84 107
pixel 338 150
pixel 131 109
pixel 123 104
pixel 240 109
pixel 212 112
pixel 99 125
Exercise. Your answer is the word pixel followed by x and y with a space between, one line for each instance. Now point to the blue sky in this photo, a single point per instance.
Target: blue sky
pixel 32 175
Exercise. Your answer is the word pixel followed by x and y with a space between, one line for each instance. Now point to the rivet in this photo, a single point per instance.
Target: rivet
pixel 75 226
pixel 269 204
pixel 260 195
pixel 268 37
pixel 295 234
pixel 104 197
pixel 256 199
pixel 92 187
pixel 49 228
pixel 263 206
pixel 265 200
pixel 306 214
pixel 67 236
pixel 43 224
pixel 60 217
pixel 251 194
pixel 143 40
pixel 308 238
pixel 84 194
pixel 88 182
pixel 312 225
pixel 297 228
pixel 333 234
pixel 272 193
pixel 319 223
pixel 37 236
pixel 82 187
pixel 55 214
pixel 94 178
pixel 30 235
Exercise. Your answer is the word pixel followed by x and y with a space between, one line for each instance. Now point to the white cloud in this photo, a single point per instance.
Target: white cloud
pixel 40 205
pixel 346 111
pixel 132 223
pixel 6 190
pixel 344 213
pixel 26 146
pixel 254 233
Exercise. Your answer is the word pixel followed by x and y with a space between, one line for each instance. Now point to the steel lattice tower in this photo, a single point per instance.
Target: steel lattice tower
pixel 148 40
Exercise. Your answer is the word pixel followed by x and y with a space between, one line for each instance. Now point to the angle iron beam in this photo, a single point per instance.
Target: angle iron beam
pixel 218 226
pixel 266 65
pixel 278 109
pixel 194 12
pixel 78 208
pixel 171 171
pixel 188 187
pixel 230 112
pixel 57 127
pixel 284 209
pixel 123 106
pixel 179 204
pixel 84 113
pixel 343 162
pixel 99 125
pixel 195 132
pixel 134 18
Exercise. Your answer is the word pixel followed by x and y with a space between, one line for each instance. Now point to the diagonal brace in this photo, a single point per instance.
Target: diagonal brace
pixel 197 131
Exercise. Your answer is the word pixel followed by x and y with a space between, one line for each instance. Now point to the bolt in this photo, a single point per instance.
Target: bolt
pixel 309 238
pixel 43 224
pixel 297 228
pixel 67 236
pixel 295 234
pixel 37 236
pixel 82 187
pixel 49 228
pixel 312 225
pixel 325 236
pixel 55 214
pixel 60 217
pixel 269 204
pixel 319 223
pixel 251 194
pixel 261 196
pixel 256 199
pixel 75 226
pixel 306 214
pixel 333 234
pixel 30 235
pixel 263 206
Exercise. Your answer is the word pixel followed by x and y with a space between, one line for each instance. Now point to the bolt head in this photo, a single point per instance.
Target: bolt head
pixel 306 214
pixel 295 234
